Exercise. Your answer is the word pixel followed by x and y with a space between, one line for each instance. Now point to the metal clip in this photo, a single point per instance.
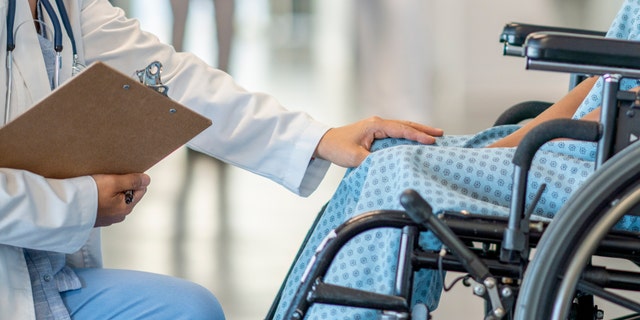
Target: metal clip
pixel 150 76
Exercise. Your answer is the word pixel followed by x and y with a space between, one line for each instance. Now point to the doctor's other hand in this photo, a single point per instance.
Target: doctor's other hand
pixel 112 206
pixel 349 145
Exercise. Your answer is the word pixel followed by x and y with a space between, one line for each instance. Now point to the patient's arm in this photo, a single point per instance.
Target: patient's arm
pixel 564 108
pixel 592 116
pixel 595 114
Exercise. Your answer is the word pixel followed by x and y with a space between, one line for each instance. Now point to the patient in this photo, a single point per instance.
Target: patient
pixel 472 173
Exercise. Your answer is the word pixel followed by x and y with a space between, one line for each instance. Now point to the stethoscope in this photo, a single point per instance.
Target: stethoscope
pixel 57 44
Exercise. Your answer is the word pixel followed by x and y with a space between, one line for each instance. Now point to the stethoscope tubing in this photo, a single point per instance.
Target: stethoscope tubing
pixel 11 44
pixel 67 25
pixel 11 18
pixel 57 40
pixel 57 29
pixel 57 44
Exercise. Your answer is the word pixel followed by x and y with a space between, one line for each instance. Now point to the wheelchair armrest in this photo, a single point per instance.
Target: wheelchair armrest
pixel 514 35
pixel 553 129
pixel 521 112
pixel 514 244
pixel 595 54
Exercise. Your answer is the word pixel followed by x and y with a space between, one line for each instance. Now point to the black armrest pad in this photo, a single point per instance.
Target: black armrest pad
pixel 515 33
pixel 582 49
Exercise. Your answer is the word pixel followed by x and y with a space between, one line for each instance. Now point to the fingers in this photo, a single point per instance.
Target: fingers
pixel 113 203
pixel 405 130
pixel 349 145
pixel 138 184
pixel 436 132
pixel 133 181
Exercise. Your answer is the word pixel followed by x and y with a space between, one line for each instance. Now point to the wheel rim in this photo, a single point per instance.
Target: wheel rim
pixel 586 250
pixel 592 200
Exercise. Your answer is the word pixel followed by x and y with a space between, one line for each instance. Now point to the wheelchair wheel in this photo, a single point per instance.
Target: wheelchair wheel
pixel 575 233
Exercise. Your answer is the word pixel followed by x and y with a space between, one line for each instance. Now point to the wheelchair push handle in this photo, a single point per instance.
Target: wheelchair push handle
pixel 421 212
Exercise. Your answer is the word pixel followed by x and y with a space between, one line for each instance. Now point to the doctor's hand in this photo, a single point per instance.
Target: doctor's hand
pixel 348 146
pixel 112 207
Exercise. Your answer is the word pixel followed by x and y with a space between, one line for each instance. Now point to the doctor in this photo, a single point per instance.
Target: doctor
pixel 50 264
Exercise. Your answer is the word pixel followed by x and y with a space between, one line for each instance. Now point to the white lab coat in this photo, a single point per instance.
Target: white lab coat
pixel 251 131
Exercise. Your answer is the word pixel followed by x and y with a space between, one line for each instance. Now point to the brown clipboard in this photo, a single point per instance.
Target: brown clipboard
pixel 101 121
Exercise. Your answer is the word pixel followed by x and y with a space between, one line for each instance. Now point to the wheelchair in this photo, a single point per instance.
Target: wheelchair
pixel 559 281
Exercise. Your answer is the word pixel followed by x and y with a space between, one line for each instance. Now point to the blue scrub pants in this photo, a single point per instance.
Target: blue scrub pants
pixel 126 294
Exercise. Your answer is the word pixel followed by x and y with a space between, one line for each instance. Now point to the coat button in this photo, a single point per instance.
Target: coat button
pixel 46 278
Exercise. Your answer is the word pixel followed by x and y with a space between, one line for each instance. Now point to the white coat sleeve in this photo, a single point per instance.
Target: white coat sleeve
pixel 46 214
pixel 250 130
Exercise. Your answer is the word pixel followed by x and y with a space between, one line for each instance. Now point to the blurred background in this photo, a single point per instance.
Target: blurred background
pixel 437 62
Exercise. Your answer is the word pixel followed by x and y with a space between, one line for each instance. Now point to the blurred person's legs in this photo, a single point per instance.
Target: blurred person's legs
pixel 224 18
pixel 125 294
pixel 224 23
pixel 179 9
pixel 393 64
pixel 124 4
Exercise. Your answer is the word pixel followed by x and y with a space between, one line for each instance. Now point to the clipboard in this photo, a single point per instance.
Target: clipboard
pixel 101 121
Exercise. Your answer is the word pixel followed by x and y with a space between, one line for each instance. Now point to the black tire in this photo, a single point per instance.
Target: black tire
pixel 588 207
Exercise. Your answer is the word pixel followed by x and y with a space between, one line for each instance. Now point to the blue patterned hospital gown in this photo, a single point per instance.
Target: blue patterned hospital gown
pixel 455 174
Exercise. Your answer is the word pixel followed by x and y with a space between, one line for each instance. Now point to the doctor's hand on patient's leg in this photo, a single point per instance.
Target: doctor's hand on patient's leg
pixel 348 146
pixel 113 205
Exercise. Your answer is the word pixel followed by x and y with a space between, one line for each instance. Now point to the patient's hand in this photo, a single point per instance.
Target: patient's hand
pixel 348 146
pixel 112 207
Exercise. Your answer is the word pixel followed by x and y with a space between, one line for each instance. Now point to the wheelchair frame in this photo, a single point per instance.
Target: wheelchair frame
pixel 512 285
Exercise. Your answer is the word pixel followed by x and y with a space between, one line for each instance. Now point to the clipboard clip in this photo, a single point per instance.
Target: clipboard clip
pixel 150 77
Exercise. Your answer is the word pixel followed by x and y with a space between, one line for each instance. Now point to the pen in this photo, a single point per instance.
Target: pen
pixel 128 196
